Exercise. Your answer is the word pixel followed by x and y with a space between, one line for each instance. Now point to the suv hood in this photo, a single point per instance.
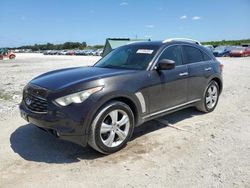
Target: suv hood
pixel 63 78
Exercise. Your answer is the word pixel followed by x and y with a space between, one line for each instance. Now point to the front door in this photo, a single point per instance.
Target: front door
pixel 169 88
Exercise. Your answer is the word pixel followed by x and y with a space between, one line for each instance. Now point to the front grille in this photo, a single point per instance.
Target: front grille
pixel 36 104
pixel 33 100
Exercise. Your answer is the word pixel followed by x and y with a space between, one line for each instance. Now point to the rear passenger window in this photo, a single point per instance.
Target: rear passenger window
pixel 172 53
pixel 192 54
pixel 206 57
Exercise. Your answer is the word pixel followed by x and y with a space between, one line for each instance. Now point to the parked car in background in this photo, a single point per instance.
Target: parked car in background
pixel 77 52
pixel 53 52
pixel 80 52
pixel 71 52
pixel 50 52
pixel 135 83
pixel 89 52
pixel 98 52
pixel 62 52
pixel 240 52
pixel 6 53
pixel 245 45
pixel 46 52
pixel 210 47
pixel 222 51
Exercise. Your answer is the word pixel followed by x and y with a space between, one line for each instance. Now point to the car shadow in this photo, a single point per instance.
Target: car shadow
pixel 173 118
pixel 33 144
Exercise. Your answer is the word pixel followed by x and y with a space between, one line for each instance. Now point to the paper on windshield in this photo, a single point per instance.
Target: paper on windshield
pixel 144 51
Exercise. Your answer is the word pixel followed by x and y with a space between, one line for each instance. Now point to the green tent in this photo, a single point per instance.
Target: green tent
pixel 113 43
pixel 3 51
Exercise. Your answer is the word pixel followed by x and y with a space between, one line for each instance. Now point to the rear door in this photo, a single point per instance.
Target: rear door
pixel 194 60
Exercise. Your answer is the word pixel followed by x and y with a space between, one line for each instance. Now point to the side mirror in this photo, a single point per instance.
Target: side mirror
pixel 165 64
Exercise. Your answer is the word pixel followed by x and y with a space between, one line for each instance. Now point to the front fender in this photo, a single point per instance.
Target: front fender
pixel 102 98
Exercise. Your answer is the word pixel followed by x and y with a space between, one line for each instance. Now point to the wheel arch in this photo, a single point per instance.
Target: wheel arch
pixel 219 82
pixel 128 102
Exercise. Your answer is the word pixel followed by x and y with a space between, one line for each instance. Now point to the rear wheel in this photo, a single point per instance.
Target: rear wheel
pixel 112 128
pixel 210 98
pixel 12 56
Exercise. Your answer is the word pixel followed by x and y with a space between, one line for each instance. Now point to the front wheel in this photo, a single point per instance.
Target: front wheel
pixel 112 128
pixel 12 56
pixel 210 99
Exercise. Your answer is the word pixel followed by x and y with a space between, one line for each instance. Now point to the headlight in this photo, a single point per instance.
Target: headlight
pixel 78 97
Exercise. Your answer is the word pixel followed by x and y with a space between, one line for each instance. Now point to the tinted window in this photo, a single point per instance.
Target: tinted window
pixel 172 53
pixel 129 57
pixel 192 54
pixel 205 57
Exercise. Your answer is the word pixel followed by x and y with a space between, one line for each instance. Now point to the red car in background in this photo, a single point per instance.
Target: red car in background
pixel 240 52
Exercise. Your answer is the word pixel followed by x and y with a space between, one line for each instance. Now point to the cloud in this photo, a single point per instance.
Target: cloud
pixel 150 26
pixel 124 3
pixel 196 18
pixel 184 17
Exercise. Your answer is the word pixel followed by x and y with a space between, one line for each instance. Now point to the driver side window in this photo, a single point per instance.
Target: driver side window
pixel 172 53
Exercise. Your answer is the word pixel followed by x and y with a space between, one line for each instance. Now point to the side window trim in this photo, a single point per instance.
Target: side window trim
pixel 208 55
pixel 183 53
pixel 163 50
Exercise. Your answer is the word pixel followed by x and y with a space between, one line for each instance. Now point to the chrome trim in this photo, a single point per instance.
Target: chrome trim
pixel 153 65
pixel 182 40
pixel 183 74
pixel 172 108
pixel 35 112
pixel 142 101
pixel 208 69
pixel 27 106
pixel 201 49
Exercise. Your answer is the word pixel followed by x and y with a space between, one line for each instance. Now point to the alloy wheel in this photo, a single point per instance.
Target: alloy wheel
pixel 211 96
pixel 115 128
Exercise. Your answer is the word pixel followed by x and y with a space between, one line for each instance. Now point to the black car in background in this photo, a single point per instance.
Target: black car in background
pixel 135 83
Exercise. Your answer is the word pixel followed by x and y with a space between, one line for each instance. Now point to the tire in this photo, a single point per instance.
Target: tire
pixel 12 56
pixel 111 128
pixel 210 98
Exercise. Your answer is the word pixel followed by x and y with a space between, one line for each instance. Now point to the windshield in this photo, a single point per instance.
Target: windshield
pixel 135 57
pixel 240 48
pixel 220 48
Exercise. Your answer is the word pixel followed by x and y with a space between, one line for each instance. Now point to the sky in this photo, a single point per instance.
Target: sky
pixel 24 22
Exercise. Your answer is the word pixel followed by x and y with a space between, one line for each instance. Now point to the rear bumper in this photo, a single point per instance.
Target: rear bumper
pixel 237 55
pixel 61 127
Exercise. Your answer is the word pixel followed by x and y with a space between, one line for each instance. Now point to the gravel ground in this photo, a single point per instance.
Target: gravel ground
pixel 191 150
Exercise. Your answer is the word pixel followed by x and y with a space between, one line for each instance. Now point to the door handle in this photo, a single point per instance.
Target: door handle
pixel 208 69
pixel 183 74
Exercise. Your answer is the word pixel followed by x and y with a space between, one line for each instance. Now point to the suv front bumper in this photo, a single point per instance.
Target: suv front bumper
pixel 60 125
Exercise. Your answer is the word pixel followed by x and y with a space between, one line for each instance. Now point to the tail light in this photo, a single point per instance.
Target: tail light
pixel 221 67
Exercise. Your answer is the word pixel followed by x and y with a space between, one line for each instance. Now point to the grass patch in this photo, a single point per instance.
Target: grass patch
pixel 5 96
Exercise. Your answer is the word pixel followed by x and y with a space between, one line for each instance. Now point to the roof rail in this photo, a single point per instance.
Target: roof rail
pixel 182 39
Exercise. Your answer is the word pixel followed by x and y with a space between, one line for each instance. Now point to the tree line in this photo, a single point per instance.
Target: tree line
pixel 83 45
pixel 227 42
pixel 64 46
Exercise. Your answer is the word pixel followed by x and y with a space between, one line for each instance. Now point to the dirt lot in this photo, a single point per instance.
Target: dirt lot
pixel 196 150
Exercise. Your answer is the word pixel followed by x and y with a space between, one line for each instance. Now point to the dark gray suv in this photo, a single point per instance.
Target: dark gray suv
pixel 101 105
